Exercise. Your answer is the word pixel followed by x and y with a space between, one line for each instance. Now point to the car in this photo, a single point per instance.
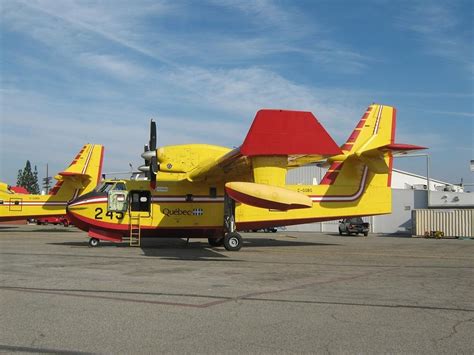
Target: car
pixel 353 225
pixel 266 230
pixel 54 220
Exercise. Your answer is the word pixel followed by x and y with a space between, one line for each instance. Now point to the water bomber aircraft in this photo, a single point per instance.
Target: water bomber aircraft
pixel 208 191
pixel 81 177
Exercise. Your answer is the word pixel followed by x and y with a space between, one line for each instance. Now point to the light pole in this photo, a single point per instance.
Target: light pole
pixel 427 156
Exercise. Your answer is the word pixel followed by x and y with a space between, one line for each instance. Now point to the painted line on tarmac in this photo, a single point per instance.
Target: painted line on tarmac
pixel 218 299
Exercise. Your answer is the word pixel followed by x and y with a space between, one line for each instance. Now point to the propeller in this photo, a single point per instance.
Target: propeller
pixel 151 166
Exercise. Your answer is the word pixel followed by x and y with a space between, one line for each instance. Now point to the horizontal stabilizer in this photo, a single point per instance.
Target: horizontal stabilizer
pixel 399 148
pixel 375 160
pixel 267 196
pixel 64 174
pixel 76 180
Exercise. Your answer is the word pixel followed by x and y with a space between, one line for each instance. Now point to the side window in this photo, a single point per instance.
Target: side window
pixel 140 201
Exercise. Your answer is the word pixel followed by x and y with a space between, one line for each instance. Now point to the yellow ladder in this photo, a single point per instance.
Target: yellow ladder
pixel 135 231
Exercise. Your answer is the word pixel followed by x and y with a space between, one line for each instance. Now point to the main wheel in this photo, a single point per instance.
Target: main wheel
pixel 216 242
pixel 233 241
pixel 366 234
pixel 93 242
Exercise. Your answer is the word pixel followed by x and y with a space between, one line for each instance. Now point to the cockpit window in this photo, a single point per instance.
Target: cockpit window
pixel 105 187
pixel 120 186
pixel 111 185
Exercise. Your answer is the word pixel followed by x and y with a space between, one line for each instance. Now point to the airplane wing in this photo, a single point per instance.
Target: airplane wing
pixel 290 138
pixel 278 140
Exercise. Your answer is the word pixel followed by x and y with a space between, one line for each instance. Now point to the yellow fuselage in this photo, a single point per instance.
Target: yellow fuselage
pixel 187 209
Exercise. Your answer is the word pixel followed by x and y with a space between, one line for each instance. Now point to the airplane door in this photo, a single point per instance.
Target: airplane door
pixel 140 205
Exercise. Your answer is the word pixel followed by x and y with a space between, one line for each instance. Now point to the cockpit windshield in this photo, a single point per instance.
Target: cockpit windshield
pixel 120 186
pixel 105 187
pixel 111 185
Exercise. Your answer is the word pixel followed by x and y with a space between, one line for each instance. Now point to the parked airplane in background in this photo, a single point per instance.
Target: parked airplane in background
pixel 199 190
pixel 81 177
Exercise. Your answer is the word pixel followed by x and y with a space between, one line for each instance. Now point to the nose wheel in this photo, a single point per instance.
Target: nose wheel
pixel 94 242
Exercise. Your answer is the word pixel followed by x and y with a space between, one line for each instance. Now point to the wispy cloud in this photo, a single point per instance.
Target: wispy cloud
pixel 77 71
pixel 452 113
pixel 115 66
pixel 442 31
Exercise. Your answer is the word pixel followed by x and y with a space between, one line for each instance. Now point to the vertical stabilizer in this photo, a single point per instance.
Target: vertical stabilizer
pixel 82 175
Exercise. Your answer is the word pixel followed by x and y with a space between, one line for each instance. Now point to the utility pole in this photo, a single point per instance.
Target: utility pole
pixel 47 180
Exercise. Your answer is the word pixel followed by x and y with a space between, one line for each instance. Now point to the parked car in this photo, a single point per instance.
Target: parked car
pixel 54 220
pixel 266 230
pixel 353 225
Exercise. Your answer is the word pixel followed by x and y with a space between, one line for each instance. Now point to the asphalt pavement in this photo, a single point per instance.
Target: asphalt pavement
pixel 281 293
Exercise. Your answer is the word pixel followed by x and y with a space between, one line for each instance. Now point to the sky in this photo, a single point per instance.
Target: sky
pixel 75 72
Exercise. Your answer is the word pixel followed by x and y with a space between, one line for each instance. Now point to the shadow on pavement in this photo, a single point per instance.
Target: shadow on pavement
pixel 194 249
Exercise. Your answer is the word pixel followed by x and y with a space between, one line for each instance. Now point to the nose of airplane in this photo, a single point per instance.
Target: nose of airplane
pixel 73 205
pixel 77 209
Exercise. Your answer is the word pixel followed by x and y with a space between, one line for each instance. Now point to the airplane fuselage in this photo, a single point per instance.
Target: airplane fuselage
pixel 185 209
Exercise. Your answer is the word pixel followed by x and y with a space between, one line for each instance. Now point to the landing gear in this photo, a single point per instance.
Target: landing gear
pixel 93 242
pixel 216 242
pixel 233 241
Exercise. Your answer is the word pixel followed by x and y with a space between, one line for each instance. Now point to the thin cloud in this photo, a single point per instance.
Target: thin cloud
pixel 442 31
pixel 113 65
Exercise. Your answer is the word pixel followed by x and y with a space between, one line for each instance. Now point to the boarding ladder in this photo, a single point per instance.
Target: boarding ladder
pixel 135 231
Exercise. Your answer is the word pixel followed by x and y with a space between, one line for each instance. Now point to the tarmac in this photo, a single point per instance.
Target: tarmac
pixel 281 293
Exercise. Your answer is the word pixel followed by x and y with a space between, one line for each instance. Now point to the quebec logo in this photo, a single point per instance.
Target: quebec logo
pixel 198 212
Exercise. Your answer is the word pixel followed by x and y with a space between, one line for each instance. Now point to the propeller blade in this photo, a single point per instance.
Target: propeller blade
pixel 154 166
pixel 152 144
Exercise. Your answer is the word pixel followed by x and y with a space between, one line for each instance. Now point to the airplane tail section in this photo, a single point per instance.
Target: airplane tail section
pixel 368 151
pixel 82 175
pixel 360 170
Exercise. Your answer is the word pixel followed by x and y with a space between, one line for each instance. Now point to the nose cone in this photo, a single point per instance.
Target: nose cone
pixel 71 205
pixel 79 209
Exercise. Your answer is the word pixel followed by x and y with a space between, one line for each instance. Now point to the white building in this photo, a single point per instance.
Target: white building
pixel 409 192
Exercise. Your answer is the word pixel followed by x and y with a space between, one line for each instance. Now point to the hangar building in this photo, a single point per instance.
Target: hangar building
pixel 409 192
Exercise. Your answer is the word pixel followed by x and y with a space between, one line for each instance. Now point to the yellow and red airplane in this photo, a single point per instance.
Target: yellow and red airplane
pixel 81 177
pixel 209 191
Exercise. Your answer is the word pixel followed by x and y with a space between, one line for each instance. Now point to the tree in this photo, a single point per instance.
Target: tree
pixel 28 179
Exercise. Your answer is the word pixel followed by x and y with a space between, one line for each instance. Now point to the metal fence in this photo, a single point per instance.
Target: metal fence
pixel 452 223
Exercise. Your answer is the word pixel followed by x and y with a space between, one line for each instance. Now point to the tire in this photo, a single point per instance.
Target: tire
pixel 216 242
pixel 340 231
pixel 366 234
pixel 233 241
pixel 94 242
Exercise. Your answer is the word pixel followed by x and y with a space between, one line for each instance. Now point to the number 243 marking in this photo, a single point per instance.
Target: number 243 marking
pixel 110 214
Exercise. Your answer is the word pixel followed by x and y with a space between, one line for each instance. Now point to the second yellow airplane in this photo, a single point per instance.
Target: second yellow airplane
pixel 81 177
